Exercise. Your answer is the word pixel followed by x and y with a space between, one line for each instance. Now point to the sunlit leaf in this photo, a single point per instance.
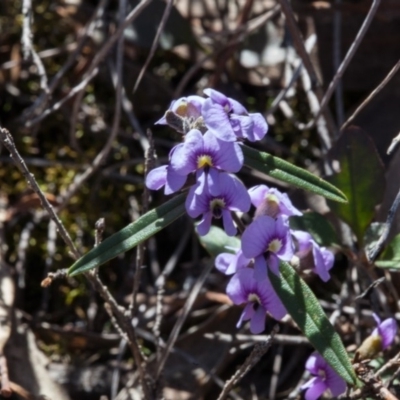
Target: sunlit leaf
pixel 284 171
pixel 132 235
pixel 217 241
pixel 304 308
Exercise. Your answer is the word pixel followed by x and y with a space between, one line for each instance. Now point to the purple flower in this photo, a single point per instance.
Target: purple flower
pixel 259 297
pixel 229 263
pixel 386 329
pixel 232 197
pixel 322 259
pixel 206 155
pixel 325 377
pixel 267 240
pixel 164 176
pixel 184 114
pixel 270 201
pixel 229 120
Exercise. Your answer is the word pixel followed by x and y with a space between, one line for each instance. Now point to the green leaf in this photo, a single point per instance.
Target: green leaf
pixel 318 226
pixel 306 311
pixel 361 178
pixel 284 171
pixel 217 241
pixel 390 258
pixel 132 235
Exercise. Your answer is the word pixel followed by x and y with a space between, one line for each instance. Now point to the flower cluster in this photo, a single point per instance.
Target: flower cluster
pixel 213 129
pixel 266 241
pixel 210 151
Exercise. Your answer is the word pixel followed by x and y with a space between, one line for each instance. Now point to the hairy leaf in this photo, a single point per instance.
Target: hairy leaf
pixel 284 171
pixel 217 241
pixel 306 311
pixel 132 235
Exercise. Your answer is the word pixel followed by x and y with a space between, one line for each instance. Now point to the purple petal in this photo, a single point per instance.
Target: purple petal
pixel 269 299
pixel 217 121
pixel 236 107
pixel 260 128
pixel 247 314
pixel 224 261
pixel 174 181
pixel 286 206
pixel 257 236
pixel 257 323
pixel 157 178
pixel 229 227
pixel 314 363
pixel 321 268
pixel 201 182
pixel 260 268
pixel 314 392
pixel 216 96
pixel 204 225
pixel 335 383
pixel 273 263
pixel 184 156
pixel 258 194
pixel 234 192
pixel 196 204
pixel 213 182
pixel 228 156
pixel 244 126
pixel 387 330
pixel 237 288
pixel 303 239
pixel 283 232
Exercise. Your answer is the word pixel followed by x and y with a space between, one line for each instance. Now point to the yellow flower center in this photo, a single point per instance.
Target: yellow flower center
pixel 182 109
pixel 275 245
pixel 204 161
pixel 252 297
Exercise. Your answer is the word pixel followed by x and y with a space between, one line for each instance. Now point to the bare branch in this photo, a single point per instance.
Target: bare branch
pixel 388 77
pixel 154 45
pixel 27 46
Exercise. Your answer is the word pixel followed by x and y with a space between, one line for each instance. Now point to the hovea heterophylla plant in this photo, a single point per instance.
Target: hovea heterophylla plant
pixel 212 151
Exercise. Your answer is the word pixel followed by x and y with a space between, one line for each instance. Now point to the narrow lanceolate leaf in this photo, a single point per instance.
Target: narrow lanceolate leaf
pixel 306 311
pixel 132 235
pixel 284 171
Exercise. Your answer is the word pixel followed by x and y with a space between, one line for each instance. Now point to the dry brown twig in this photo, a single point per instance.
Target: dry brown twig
pixel 154 45
pixel 349 56
pixel 185 312
pixel 259 350
pixel 385 81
